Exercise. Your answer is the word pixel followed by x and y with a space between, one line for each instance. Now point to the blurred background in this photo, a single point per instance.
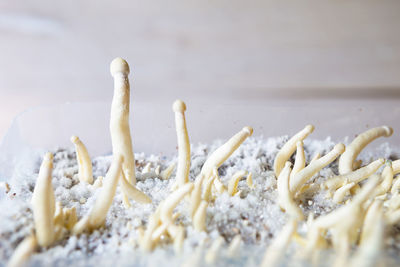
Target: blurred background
pixel 272 51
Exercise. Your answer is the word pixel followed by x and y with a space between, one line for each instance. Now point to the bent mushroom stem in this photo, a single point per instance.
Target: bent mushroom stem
pixel 85 172
pixel 43 203
pixel 285 198
pixel 288 149
pixel 119 121
pixel 387 179
pixel 98 213
pixel 305 174
pixel 218 157
pixel 182 171
pixel 234 181
pixel 359 143
pixel 132 192
pixel 354 176
pixel 23 252
pixel 300 160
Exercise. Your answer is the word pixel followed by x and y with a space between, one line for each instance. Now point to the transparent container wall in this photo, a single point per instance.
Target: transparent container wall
pixel 153 126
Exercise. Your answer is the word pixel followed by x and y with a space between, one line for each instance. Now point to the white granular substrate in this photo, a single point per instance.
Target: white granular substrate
pixel 254 214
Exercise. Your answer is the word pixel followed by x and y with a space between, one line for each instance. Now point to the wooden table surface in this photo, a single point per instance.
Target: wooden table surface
pixel 271 51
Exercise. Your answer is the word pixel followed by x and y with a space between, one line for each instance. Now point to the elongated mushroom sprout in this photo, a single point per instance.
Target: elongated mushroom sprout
pixel 277 249
pixel 371 241
pixel 234 246
pixel 288 149
pixel 300 160
pixel 97 215
pixel 166 174
pixel 214 251
pixel 285 198
pixel 218 157
pixel 249 181
pixel 387 179
pixel 199 218
pixel 182 171
pixel 302 176
pixel 354 176
pixel 85 173
pixel 119 121
pixel 341 192
pixel 132 192
pixel 195 197
pixel 23 252
pixel 43 203
pixel 362 140
pixel 208 187
pixel 172 201
pixel 234 181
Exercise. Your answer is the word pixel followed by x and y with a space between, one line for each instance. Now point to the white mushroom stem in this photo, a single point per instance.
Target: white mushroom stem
pixel 300 160
pixel 315 157
pixel 195 197
pixel 219 186
pixel 396 186
pixel 288 149
pixel 165 174
pixel 182 172
pixel 146 242
pixel 362 140
pixel 279 245
pixel 387 179
pixel 119 121
pixel 234 246
pixel 214 251
pixel 208 187
pixel 371 241
pixel 305 174
pixel 178 239
pixel 218 157
pixel 199 218
pixel 146 169
pixel 85 172
pixel 354 176
pixel 23 252
pixel 132 192
pixel 43 203
pixel 342 192
pixel 234 181
pixel 285 198
pixel 172 201
pixel 98 213
pixel 161 229
pixel 249 181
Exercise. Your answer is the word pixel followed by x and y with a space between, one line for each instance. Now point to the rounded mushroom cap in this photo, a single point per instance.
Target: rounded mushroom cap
pixel 179 106
pixel 309 128
pixel 248 129
pixel 339 148
pixel 74 139
pixel 388 130
pixel 119 65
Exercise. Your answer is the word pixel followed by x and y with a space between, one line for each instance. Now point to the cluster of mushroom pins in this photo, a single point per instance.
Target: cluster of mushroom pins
pixel 360 220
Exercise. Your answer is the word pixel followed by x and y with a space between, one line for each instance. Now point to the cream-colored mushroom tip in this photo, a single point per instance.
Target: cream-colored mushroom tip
pixel 48 156
pixel 388 130
pixel 119 65
pixel 339 148
pixel 248 129
pixel 74 139
pixel 179 106
pixel 309 128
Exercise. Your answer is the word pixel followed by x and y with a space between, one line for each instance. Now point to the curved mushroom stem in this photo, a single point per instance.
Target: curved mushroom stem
pixel 85 172
pixel 288 149
pixel 249 181
pixel 23 252
pixel 315 157
pixel 43 203
pixel 132 192
pixel 277 249
pixel 218 157
pixel 119 121
pixel 195 197
pixel 234 181
pixel 182 171
pixel 354 176
pixel 199 218
pixel 166 174
pixel 302 176
pixel 300 160
pixel 387 179
pixel 285 198
pixel 341 192
pixel 98 213
pixel 362 140
pixel 371 241
pixel 208 187
pixel 172 201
